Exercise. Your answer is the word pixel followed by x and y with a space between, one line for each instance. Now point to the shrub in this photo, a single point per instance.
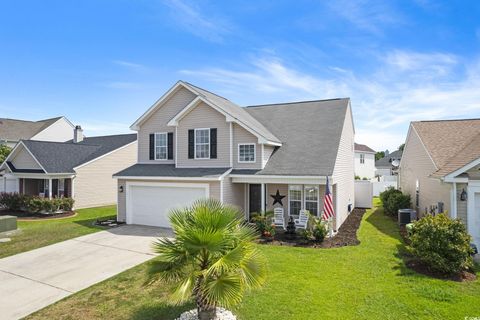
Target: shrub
pixel 262 221
pixel 12 201
pixel 36 204
pixel 393 200
pixel 387 193
pixel 442 244
pixel 357 177
pixel 319 230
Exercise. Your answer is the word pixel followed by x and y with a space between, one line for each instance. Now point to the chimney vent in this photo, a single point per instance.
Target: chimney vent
pixel 77 134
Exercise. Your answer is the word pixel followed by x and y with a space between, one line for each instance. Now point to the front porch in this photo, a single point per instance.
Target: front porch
pixel 46 187
pixel 292 196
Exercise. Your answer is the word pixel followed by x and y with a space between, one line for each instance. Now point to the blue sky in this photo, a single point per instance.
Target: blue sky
pixel 103 63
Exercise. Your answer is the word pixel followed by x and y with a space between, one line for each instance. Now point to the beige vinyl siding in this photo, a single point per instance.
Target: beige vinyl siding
pixel 214 191
pixel 234 193
pixel 24 160
pixel 204 116
pixel 157 122
pixel 462 205
pixel 344 171
pixel 267 153
pixel 93 183
pixel 416 165
pixel 242 136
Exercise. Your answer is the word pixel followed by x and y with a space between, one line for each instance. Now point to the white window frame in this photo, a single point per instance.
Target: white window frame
pixel 305 197
pixel 61 182
pixel 254 152
pixel 289 200
pixel 362 158
pixel 155 145
pixel 195 143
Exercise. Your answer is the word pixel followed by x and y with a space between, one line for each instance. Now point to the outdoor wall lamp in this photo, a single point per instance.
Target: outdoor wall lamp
pixel 120 189
pixel 463 195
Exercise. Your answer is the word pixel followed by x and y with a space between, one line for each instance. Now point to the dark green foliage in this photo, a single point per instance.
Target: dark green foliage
pixel 13 201
pixel 379 155
pixel 393 200
pixel 442 244
pixel 16 201
pixel 4 152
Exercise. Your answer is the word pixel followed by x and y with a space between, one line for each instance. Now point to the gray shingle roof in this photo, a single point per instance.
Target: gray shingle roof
pixel 310 132
pixel 169 170
pixel 62 157
pixel 16 130
pixel 386 161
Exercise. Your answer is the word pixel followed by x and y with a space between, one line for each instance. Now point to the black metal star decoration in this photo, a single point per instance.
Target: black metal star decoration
pixel 277 198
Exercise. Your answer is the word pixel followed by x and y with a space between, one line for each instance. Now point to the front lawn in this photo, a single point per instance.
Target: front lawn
pixel 36 234
pixel 368 281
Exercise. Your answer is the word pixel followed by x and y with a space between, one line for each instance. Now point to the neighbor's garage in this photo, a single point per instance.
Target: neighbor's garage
pixel 150 203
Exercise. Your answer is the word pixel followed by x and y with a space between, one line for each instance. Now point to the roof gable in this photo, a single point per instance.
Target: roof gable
pixel 16 130
pixel 363 148
pixel 232 112
pixel 310 132
pixel 450 143
pixel 64 157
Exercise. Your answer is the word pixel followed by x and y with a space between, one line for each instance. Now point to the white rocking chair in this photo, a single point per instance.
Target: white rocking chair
pixel 302 220
pixel 279 218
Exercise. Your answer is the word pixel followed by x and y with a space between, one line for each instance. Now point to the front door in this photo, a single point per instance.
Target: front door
pixel 255 196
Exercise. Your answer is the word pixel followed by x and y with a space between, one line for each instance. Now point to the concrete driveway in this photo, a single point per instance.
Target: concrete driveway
pixel 32 280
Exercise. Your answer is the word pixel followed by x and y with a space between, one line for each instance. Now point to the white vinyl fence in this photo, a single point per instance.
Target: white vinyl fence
pixel 363 194
pixel 380 186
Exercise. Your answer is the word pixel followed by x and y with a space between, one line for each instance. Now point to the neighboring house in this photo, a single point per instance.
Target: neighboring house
pixel 388 165
pixel 364 161
pixel 440 169
pixel 55 129
pixel 81 168
pixel 13 130
pixel 194 144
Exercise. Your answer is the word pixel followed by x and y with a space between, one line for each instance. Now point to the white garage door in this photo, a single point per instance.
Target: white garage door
pixel 150 204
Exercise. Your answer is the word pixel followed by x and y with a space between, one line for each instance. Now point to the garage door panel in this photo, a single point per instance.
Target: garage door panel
pixel 150 205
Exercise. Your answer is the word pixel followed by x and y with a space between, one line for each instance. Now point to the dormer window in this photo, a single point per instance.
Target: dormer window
pixel 202 143
pixel 161 146
pixel 246 152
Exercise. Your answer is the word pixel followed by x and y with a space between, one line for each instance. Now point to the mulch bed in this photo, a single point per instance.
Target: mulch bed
pixel 346 235
pixel 22 215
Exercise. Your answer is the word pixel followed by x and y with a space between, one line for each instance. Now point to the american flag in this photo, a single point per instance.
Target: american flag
pixel 328 204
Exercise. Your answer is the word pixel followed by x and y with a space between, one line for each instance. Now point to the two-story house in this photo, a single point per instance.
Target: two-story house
pixel 364 161
pixel 193 144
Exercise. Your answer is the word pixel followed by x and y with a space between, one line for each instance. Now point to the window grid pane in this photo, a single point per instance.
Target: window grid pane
pixel 247 153
pixel 202 144
pixel 295 199
pixel 160 146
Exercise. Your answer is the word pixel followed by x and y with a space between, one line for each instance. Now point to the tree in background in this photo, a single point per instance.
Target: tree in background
pixel 4 152
pixel 402 146
pixel 379 155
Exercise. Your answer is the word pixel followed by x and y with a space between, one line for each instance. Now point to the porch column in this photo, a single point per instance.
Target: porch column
pixel 454 201
pixel 50 188
pixel 263 198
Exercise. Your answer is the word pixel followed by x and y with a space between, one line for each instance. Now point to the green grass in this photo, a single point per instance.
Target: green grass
pixel 368 281
pixel 36 234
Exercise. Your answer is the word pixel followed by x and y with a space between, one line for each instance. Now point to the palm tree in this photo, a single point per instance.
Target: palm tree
pixel 212 258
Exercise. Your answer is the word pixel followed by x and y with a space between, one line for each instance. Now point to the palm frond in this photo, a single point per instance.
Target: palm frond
pixel 225 290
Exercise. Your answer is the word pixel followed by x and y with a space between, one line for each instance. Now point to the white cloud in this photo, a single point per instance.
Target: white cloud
pixel 190 17
pixel 405 87
pixel 130 65
pixel 368 15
